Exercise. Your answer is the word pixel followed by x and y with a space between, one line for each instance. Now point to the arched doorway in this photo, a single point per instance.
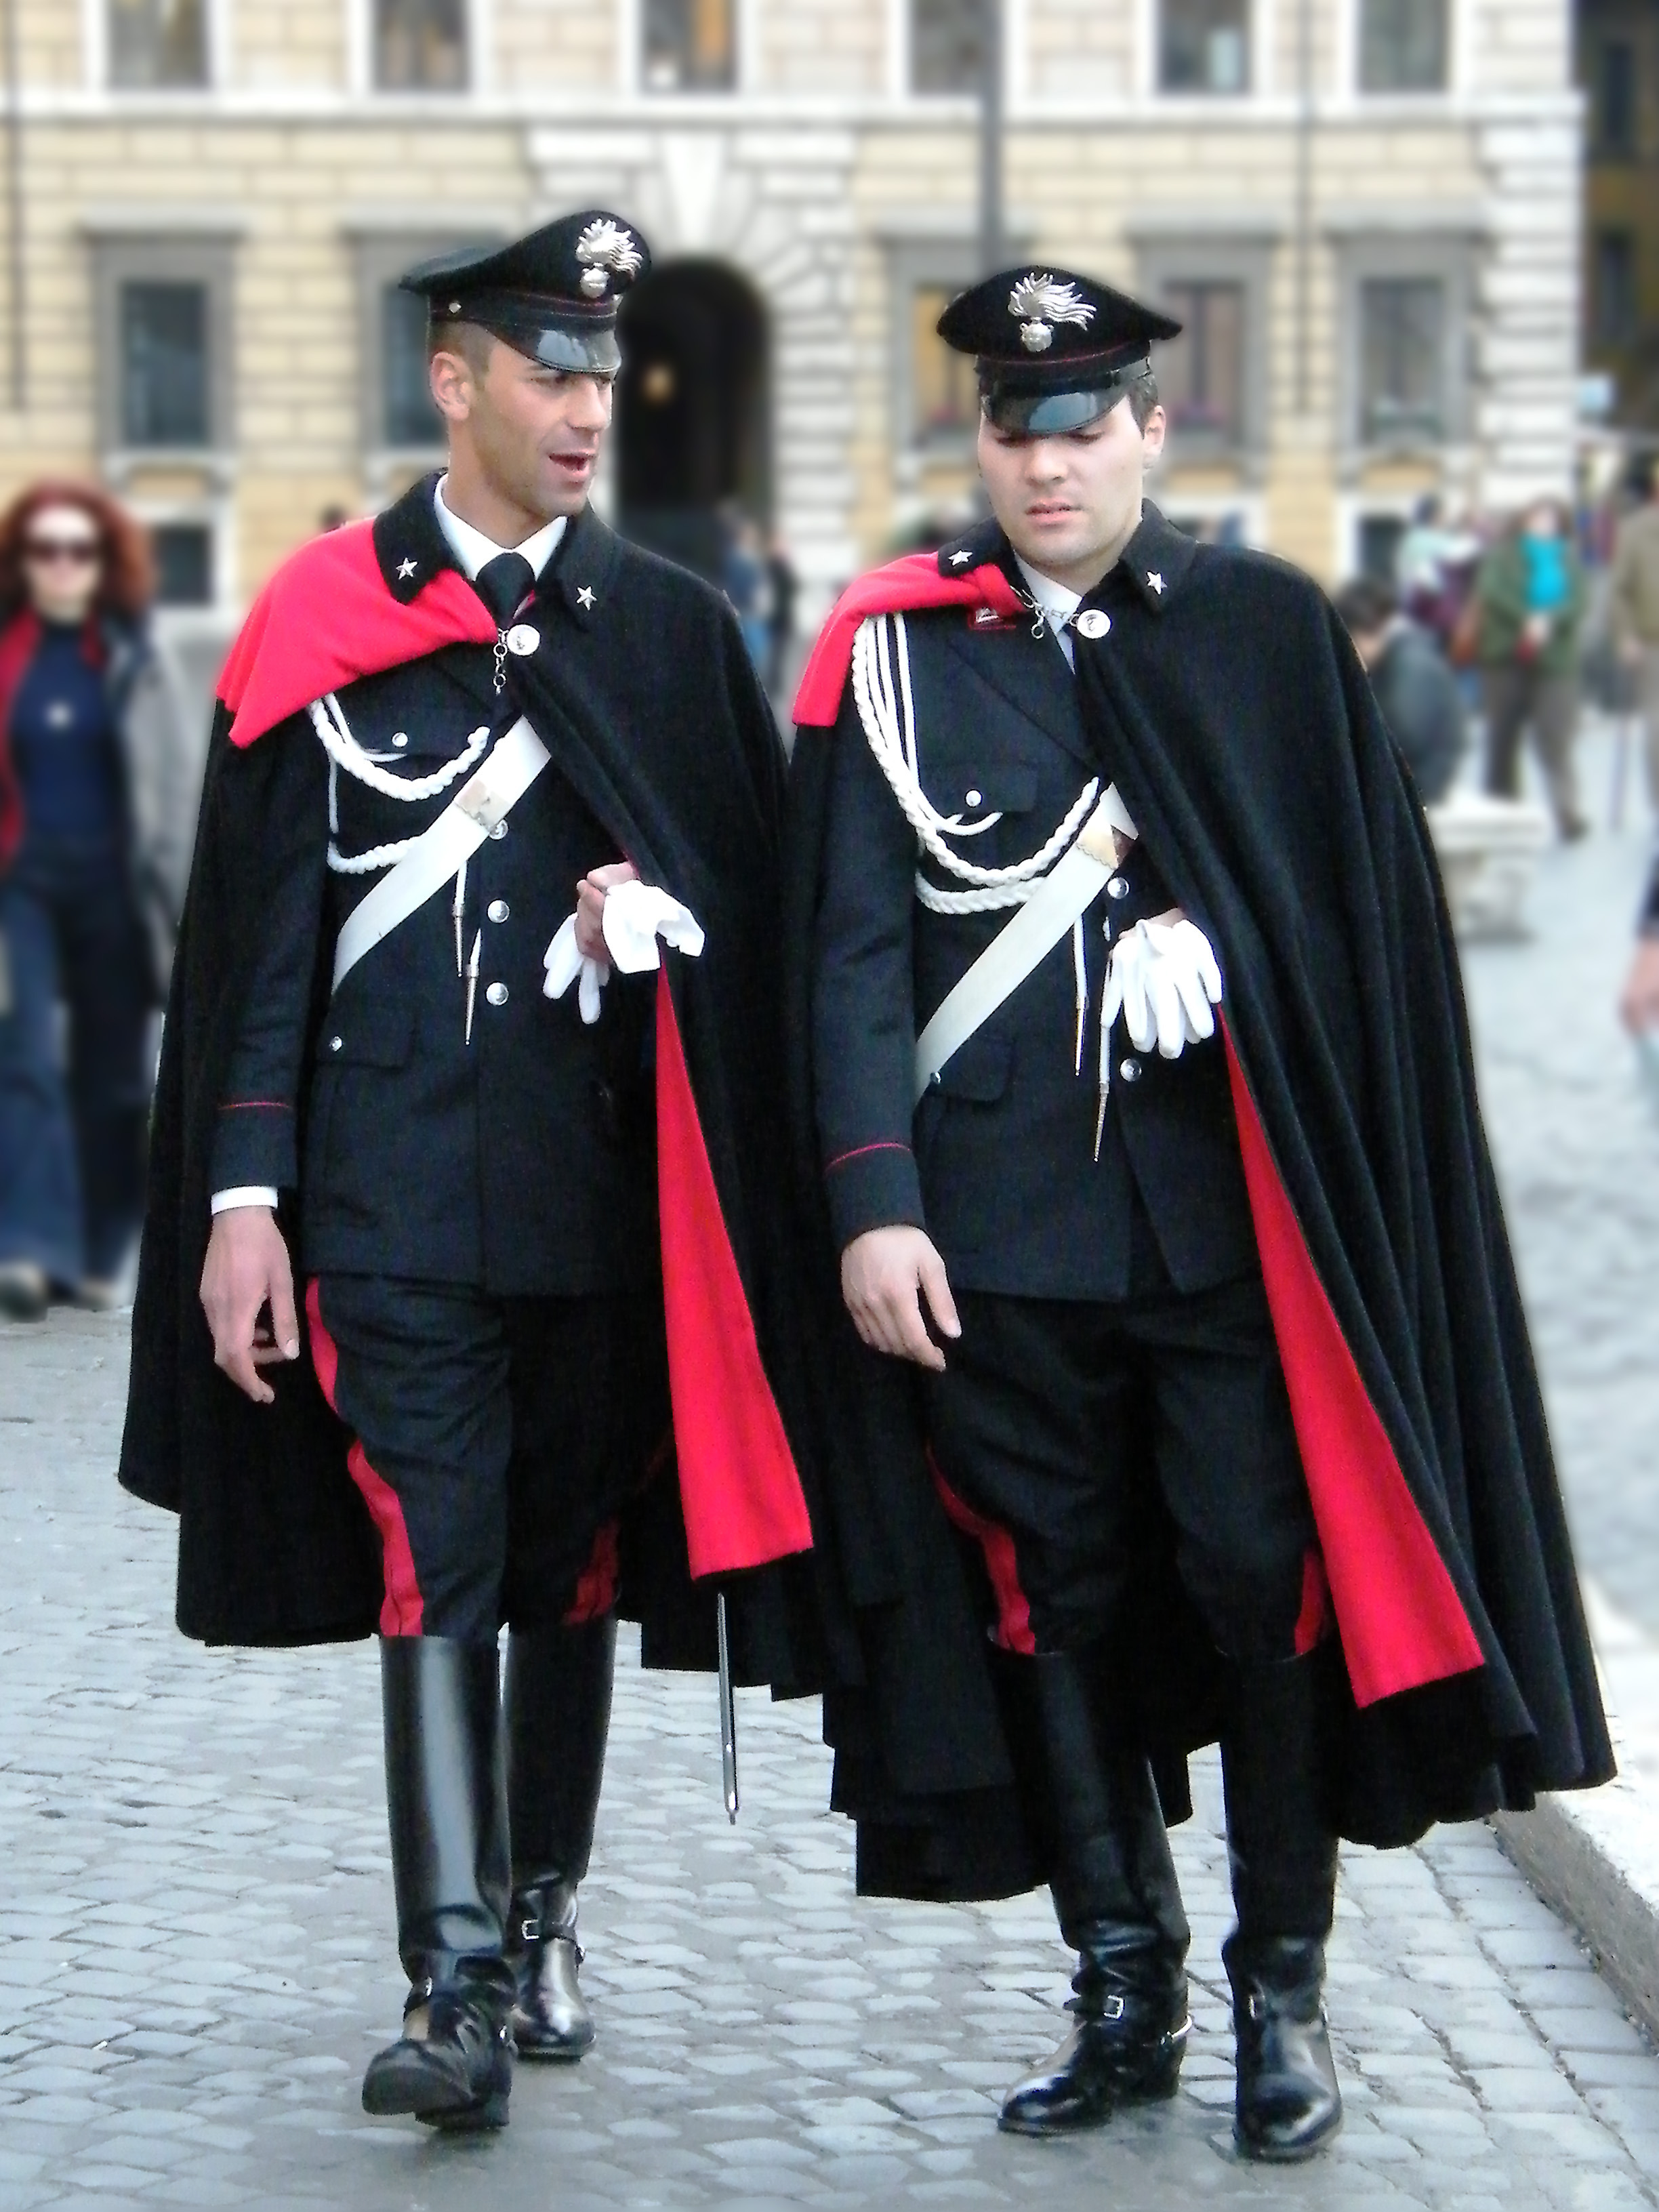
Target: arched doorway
pixel 693 410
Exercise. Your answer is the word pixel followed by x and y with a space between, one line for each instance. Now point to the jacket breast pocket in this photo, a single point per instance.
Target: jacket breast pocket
pixel 994 803
pixel 357 1052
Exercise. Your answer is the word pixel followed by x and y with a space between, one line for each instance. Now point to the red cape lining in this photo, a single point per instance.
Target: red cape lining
pixel 328 619
pixel 902 587
pixel 332 620
pixel 1399 1617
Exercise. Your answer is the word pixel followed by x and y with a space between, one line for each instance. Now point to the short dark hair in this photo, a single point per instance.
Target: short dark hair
pixel 1142 391
pixel 1366 606
pixel 470 340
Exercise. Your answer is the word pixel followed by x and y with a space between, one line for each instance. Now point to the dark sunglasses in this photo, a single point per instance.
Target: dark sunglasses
pixel 82 551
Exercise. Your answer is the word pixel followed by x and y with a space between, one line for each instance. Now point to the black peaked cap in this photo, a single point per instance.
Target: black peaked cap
pixel 552 296
pixel 1054 350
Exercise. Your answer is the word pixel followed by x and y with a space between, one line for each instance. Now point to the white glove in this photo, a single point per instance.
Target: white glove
pixel 1163 980
pixel 634 915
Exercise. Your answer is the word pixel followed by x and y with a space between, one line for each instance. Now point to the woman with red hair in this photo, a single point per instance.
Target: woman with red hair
pixel 95 832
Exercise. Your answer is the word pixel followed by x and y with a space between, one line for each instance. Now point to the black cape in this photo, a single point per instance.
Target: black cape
pixel 1240 730
pixel 646 697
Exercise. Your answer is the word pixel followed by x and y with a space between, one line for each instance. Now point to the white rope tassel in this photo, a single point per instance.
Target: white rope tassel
pixel 459 911
pixel 888 714
pixel 328 720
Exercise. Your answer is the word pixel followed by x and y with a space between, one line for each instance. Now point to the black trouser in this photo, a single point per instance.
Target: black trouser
pixel 1053 1418
pixel 497 1441
pixel 72 1126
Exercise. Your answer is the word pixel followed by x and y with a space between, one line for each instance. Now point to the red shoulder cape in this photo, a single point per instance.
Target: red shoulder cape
pixel 904 586
pixel 329 619
pixel 326 618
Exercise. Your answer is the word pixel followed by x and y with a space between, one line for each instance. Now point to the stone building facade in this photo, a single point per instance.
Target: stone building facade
pixel 1367 211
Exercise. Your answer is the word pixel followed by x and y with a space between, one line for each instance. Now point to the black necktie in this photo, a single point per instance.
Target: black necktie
pixel 503 585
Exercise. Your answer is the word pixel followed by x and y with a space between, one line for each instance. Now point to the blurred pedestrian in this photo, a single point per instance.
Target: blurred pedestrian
pixel 1634 611
pixel 1639 1002
pixel 1418 693
pixel 1530 593
pixel 1433 568
pixel 782 589
pixel 96 792
pixel 744 582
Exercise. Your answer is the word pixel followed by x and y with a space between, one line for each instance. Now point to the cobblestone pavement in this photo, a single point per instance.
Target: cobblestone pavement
pixel 1574 1117
pixel 194 1942
pixel 195 1950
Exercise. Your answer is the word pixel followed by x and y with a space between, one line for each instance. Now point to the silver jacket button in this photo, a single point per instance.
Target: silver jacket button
pixel 1117 888
pixel 1092 622
pixel 497 995
pixel 523 639
pixel 498 909
pixel 1129 1070
pixel 499 831
pixel 336 1043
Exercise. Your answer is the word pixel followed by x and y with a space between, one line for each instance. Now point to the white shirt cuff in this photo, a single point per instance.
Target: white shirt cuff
pixel 248 1193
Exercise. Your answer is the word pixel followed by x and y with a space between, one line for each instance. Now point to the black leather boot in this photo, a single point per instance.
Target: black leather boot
pixel 1119 1908
pixel 1284 1854
pixel 558 1716
pixel 446 1800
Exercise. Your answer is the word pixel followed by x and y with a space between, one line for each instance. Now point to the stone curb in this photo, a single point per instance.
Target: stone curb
pixel 1595 1861
pixel 1593 1857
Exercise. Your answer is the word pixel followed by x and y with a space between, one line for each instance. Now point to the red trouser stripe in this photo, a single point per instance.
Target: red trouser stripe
pixel 400 1614
pixel 1013 1609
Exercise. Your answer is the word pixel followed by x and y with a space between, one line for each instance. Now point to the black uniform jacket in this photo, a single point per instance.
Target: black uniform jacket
pixel 1226 703
pixel 660 738
pixel 999 1164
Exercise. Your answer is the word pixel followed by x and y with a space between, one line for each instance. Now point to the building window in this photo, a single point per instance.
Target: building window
pixel 1402 46
pixel 1613 97
pixel 420 46
pixel 1613 288
pixel 408 418
pixel 943 389
pixel 1204 46
pixel 1402 358
pixel 184 564
pixel 947 44
pixel 691 46
pixel 157 45
pixel 165 387
pixel 1200 375
pixel 1378 546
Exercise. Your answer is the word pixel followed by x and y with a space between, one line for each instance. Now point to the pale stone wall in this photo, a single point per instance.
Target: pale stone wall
pixel 49 47
pixel 822 46
pixel 555 45
pixel 1077 50
pixel 300 46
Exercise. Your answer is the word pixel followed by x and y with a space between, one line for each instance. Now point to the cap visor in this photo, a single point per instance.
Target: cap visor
pixel 579 352
pixel 1047 414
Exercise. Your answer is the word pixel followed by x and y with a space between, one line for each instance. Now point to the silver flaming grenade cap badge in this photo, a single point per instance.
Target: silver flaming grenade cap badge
pixel 1038 302
pixel 604 249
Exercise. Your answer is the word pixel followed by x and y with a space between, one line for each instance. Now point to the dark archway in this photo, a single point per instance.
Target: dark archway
pixel 693 410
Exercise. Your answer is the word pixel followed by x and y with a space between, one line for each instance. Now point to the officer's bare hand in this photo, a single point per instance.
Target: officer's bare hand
pixel 1639 1002
pixel 590 906
pixel 247 1275
pixel 884 1275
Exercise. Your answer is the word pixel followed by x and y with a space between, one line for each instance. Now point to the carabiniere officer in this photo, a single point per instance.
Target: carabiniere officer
pixel 475 1187
pixel 1068 1197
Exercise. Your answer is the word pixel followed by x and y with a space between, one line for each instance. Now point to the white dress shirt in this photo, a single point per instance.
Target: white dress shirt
pixel 471 549
pixel 1054 601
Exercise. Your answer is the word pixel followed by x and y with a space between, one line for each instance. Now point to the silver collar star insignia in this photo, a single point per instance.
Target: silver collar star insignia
pixel 406 569
pixel 1155 580
pixel 585 596
pixel 957 559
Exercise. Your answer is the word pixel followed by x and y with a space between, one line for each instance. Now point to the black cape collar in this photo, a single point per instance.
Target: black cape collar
pixel 1152 564
pixel 411 550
